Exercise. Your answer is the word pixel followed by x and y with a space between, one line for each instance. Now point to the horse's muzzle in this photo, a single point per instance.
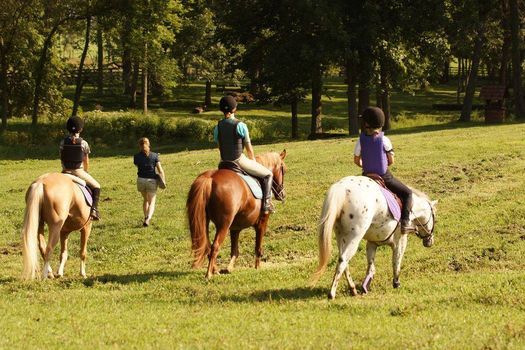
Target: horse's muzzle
pixel 428 241
pixel 279 192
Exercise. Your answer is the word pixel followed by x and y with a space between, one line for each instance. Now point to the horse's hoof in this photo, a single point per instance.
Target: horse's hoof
pixel 366 283
pixel 225 271
pixel 353 292
pixel 396 284
pixel 331 296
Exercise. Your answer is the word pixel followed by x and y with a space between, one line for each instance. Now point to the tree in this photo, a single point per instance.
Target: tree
pixel 519 103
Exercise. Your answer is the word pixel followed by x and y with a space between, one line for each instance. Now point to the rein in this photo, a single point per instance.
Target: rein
pixel 278 189
pixel 429 233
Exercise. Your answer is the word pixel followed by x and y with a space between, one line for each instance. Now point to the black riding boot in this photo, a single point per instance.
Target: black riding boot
pixel 267 206
pixel 94 208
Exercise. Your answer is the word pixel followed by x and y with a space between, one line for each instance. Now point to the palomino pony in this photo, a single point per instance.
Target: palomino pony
pixel 57 200
pixel 224 198
pixel 357 209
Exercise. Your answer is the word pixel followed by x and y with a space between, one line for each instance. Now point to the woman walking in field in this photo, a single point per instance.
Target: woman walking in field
pixel 150 175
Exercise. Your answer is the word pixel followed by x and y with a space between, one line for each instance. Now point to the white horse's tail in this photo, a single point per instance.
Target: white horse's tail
pixel 34 199
pixel 332 206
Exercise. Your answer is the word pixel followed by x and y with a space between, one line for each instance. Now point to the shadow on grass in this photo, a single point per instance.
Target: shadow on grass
pixel 301 293
pixel 134 278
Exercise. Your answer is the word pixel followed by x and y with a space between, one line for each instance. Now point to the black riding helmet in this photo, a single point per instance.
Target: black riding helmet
pixel 227 104
pixel 374 117
pixel 74 124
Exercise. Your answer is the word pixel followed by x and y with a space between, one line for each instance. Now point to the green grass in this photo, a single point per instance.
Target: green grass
pixel 466 292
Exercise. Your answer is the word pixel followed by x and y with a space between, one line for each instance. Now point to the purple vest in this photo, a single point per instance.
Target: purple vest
pixel 373 154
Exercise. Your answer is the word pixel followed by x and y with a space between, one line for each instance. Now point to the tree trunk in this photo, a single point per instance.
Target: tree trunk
pixel 351 94
pixel 458 90
pixel 295 120
pixel 4 87
pixel 445 75
pixel 364 98
pixel 100 59
pixel 145 80
pixel 519 103
pixel 385 97
pixel 40 71
pixel 317 85
pixel 78 90
pixel 133 86
pixel 207 97
pixel 471 86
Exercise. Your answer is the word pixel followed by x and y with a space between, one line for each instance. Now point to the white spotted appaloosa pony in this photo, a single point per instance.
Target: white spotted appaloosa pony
pixel 57 200
pixel 356 208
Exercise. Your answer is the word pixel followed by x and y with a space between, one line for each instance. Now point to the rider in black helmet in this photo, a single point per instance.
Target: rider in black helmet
pixel 74 154
pixel 374 153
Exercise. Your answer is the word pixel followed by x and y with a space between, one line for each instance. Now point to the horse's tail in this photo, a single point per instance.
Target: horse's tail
pixel 34 199
pixel 332 206
pixel 196 203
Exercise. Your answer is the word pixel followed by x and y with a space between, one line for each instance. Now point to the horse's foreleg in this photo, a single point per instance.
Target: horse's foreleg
pixel 54 236
pixel 398 250
pixel 371 249
pixel 260 230
pixel 84 236
pixel 63 253
pixel 234 235
pixel 346 251
pixel 217 242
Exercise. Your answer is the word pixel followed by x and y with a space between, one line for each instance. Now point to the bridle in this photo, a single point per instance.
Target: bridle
pixel 278 189
pixel 429 233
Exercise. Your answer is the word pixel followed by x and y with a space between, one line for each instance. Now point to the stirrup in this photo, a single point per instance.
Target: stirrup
pixel 268 207
pixel 407 227
pixel 95 216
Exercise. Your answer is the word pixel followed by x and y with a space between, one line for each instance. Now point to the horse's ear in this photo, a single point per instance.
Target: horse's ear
pixel 283 154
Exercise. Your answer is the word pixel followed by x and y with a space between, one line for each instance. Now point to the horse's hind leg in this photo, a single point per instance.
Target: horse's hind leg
pixel 54 235
pixel 234 236
pixel 350 281
pixel 371 249
pixel 41 239
pixel 222 230
pixel 63 253
pixel 84 236
pixel 260 230
pixel 346 251
pixel 398 250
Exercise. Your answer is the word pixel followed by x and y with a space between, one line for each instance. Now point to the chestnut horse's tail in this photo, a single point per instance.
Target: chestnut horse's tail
pixel 333 204
pixel 196 203
pixel 34 199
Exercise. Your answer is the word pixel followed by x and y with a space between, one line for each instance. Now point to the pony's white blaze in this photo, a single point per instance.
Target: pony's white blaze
pixel 357 209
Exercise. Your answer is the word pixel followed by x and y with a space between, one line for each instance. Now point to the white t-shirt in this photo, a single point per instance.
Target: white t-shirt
pixel 387 145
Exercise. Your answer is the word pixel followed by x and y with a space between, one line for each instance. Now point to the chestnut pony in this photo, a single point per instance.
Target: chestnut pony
pixel 221 196
pixel 54 199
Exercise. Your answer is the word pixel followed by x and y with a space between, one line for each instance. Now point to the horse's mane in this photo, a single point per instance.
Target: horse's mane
pixel 268 159
pixel 419 193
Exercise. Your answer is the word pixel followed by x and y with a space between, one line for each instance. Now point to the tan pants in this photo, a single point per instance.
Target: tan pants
pixel 84 175
pixel 252 167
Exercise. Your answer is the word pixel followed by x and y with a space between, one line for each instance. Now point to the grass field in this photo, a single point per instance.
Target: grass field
pixel 466 292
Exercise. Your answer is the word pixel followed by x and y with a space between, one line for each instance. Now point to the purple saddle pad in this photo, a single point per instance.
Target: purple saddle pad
pixel 86 191
pixel 393 206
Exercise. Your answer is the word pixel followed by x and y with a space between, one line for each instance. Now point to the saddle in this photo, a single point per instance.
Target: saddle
pixel 84 188
pixel 393 201
pixel 253 183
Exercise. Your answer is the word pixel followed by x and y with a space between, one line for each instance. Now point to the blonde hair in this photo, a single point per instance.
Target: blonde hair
pixel 144 145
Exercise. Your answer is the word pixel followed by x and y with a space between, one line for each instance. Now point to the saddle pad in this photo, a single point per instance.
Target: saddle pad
pixel 253 184
pixel 393 205
pixel 87 194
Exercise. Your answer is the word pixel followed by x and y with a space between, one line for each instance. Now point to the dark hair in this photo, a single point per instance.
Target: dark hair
pixel 227 104
pixel 74 124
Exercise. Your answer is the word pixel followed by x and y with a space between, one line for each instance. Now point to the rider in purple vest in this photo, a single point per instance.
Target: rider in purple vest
pixel 374 153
